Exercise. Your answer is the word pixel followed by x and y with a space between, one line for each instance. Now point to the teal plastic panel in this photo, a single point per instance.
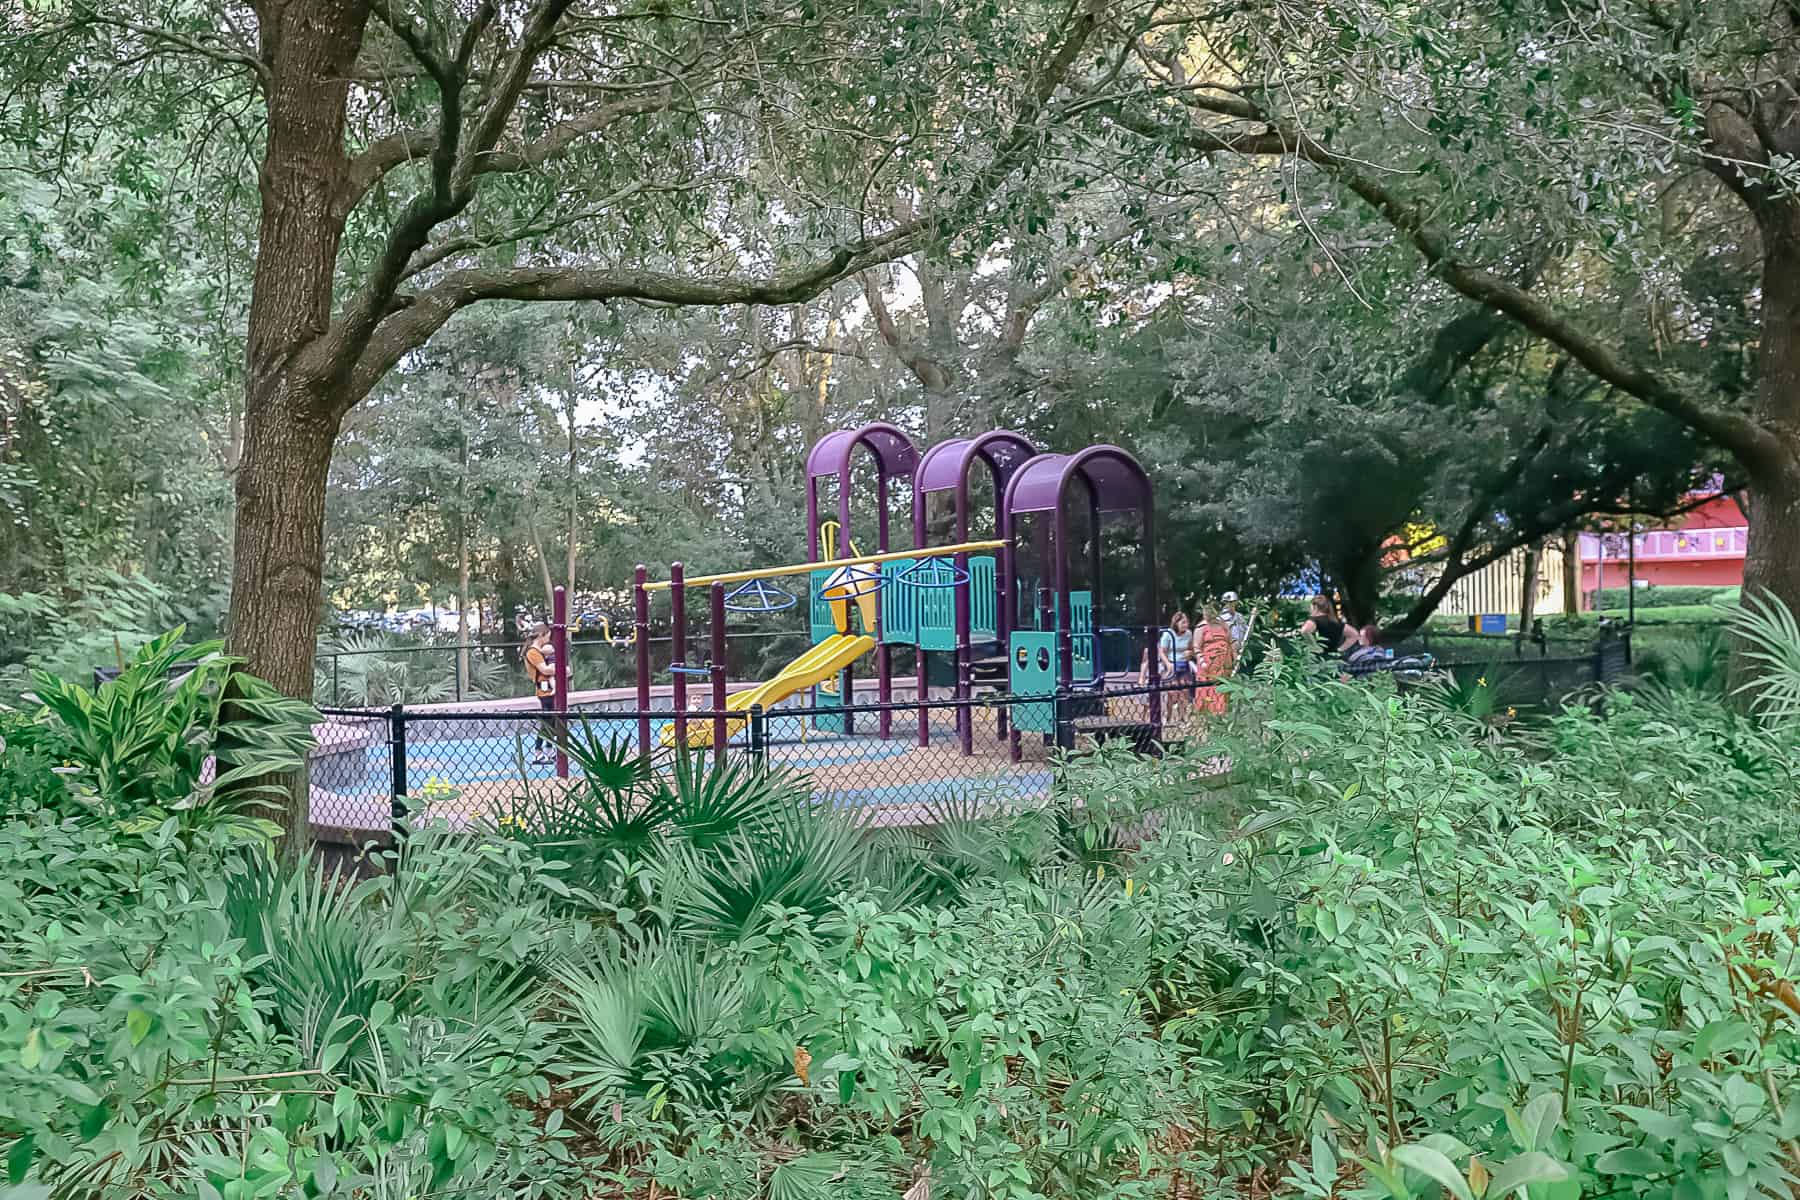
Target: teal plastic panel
pixel 1031 664
pixel 899 606
pixel 937 618
pixel 819 612
pixel 983 622
pixel 1081 625
pixel 824 718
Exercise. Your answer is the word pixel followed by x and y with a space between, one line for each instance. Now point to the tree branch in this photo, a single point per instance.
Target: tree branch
pixel 451 173
pixel 411 324
pixel 406 322
pixel 223 52
pixel 1022 304
pixel 409 145
pixel 912 356
pixel 1745 438
pixel 417 43
pixel 449 248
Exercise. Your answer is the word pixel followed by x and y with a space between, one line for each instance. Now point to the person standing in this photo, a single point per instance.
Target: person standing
pixel 1175 650
pixel 1235 621
pixel 1215 658
pixel 540 665
pixel 1334 636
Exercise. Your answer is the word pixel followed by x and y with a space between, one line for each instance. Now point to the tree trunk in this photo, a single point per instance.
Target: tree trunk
pixel 1528 588
pixel 1772 562
pixel 574 502
pixel 510 594
pixel 1772 565
pixel 543 561
pixel 1571 568
pixel 1359 580
pixel 462 604
pixel 279 550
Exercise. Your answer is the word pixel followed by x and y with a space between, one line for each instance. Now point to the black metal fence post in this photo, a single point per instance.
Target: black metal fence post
pixel 759 737
pixel 336 692
pixel 397 747
pixel 1064 719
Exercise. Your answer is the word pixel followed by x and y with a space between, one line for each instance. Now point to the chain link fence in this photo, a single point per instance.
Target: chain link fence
pixel 902 761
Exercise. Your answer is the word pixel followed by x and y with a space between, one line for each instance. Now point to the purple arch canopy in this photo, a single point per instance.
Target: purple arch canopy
pixel 893 451
pixel 1113 477
pixel 946 464
pixel 945 468
pixel 1115 483
pixel 895 457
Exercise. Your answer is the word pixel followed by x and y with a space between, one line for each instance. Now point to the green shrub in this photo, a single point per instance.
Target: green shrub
pixel 1656 596
pixel 1344 943
pixel 30 754
pixel 181 734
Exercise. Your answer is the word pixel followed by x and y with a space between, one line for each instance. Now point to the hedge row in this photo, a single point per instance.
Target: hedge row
pixel 1666 597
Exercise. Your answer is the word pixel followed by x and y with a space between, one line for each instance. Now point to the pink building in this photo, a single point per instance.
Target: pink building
pixel 1704 548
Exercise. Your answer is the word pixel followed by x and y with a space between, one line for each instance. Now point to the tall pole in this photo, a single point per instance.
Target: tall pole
pixel 1600 576
pixel 678 649
pixel 921 680
pixel 1095 595
pixel 1065 639
pixel 1631 576
pixel 846 677
pixel 718 672
pixel 1005 604
pixel 559 642
pixel 965 718
pixel 812 518
pixel 640 603
pixel 1152 618
pixel 884 672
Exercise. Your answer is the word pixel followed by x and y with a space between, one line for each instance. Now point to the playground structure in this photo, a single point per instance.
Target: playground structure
pixel 1003 609
pixel 1006 605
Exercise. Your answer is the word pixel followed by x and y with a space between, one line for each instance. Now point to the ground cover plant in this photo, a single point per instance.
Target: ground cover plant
pixel 1403 949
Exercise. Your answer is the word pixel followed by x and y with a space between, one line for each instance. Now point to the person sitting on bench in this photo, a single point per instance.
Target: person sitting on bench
pixel 1368 655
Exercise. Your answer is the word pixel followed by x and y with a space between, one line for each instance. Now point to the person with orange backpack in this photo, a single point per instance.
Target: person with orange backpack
pixel 540 665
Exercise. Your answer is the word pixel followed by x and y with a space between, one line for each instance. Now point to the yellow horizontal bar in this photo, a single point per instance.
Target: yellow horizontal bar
pixel 797 568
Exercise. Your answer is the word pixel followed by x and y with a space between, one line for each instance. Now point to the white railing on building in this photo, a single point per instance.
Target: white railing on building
pixel 1667 543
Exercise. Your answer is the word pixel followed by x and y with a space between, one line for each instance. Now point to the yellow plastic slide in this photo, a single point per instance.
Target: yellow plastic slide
pixel 815 666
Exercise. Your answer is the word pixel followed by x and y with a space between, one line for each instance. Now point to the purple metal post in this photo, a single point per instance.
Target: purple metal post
pixel 559 646
pixel 965 720
pixel 640 604
pixel 1005 602
pixel 1152 618
pixel 921 694
pixel 678 649
pixel 1065 638
pixel 812 519
pixel 920 685
pixel 718 672
pixel 884 682
pixel 1095 593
